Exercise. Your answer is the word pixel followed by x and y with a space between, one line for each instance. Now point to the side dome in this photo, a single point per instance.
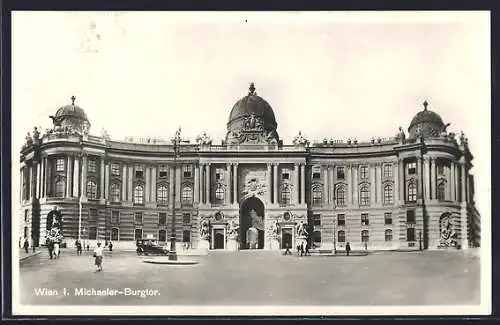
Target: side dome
pixel 426 123
pixel 71 117
pixel 252 114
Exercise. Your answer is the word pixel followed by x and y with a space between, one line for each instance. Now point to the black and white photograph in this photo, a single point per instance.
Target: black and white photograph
pixel 251 163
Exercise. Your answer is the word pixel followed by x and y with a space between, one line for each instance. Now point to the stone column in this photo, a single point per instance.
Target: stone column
pixel 196 183
pixel 275 183
pixel 235 183
pixel 83 188
pixel 379 189
pixel 349 184
pixel 303 183
pixel 76 170
pixel 463 208
pixel 130 188
pixel 433 178
pixel 373 183
pixel 68 176
pixel 448 182
pixel 32 180
pixel 106 181
pixel 419 179
pixel 355 170
pixel 326 187
pixel 171 175
pixel 153 184
pixel 207 184
pixel 227 182
pixel 178 183
pixel 45 176
pixel 101 182
pixel 452 181
pixel 402 184
pixel 427 188
pixel 463 182
pixel 38 180
pixel 124 182
pixel 296 184
pixel 268 182
pixel 147 184
pixel 395 172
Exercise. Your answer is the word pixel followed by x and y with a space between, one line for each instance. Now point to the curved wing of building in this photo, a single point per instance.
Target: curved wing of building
pixel 410 191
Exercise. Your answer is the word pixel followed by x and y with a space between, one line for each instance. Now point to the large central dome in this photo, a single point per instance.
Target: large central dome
pixel 252 114
pixel 252 118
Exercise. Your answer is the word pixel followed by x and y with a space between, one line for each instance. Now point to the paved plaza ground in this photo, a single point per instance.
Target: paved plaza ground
pixel 258 278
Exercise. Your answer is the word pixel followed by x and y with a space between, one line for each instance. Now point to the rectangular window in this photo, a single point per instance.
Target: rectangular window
pixel 285 174
pixel 186 236
pixel 187 171
pixel 92 166
pixel 219 174
pixel 162 235
pixel 365 236
pixel 412 168
pixel 440 169
pixel 139 171
pixel 115 234
pixel 138 234
pixel 163 171
pixel 340 173
pixel 162 218
pixel 410 234
pixel 388 235
pixel 186 218
pixel 387 171
pixel 92 233
pixel 316 172
pixel 363 172
pixel 410 216
pixel 115 217
pixel 317 219
pixel 317 237
pixel 115 169
pixel 92 215
pixel 138 218
pixel 60 165
pixel 388 218
pixel 341 236
pixel 364 219
pixel 341 219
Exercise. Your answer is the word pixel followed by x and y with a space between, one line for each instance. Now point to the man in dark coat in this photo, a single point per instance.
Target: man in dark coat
pixel 347 248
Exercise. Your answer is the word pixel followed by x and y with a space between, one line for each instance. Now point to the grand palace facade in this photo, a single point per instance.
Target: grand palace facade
pixel 411 191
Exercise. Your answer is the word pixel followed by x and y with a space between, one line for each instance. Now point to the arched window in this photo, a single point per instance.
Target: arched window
pixel 115 234
pixel 340 196
pixel 139 194
pixel 388 195
pixel 187 194
pixel 219 194
pixel 91 190
pixel 115 192
pixel 60 188
pixel 440 191
pixel 412 192
pixel 285 195
pixel 388 235
pixel 365 236
pixel 364 195
pixel 162 194
pixel 341 236
pixel 317 195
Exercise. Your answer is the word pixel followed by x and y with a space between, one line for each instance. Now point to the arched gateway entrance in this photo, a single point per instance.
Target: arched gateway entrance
pixel 252 224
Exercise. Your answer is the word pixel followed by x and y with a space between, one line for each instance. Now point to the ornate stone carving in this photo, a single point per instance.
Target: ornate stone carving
pixel 302 229
pixel 448 234
pixel 233 229
pixel 253 123
pixel 253 186
pixel 204 139
pixel 300 140
pixel 205 229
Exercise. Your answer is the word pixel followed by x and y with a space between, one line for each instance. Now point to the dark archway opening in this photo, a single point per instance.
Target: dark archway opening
pixel 252 224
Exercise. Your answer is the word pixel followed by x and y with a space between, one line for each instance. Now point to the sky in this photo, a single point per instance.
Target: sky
pixel 332 74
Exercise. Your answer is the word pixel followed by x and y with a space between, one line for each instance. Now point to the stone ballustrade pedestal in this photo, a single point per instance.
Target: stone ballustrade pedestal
pixel 232 244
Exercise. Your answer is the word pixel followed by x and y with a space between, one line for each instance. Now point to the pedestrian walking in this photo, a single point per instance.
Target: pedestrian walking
pixel 88 247
pixel 26 245
pixel 287 250
pixel 307 250
pixel 110 246
pixel 50 247
pixel 78 248
pixel 302 249
pixel 347 249
pixel 98 256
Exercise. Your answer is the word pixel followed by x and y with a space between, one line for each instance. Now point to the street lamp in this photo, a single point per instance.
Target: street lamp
pixel 172 256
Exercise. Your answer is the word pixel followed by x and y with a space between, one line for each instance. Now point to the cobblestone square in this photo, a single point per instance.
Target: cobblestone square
pixel 255 278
